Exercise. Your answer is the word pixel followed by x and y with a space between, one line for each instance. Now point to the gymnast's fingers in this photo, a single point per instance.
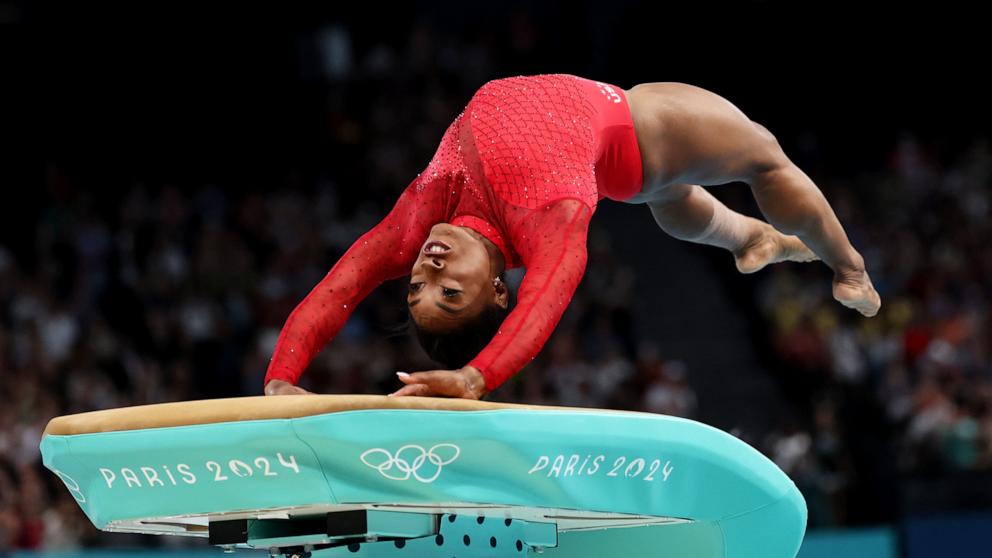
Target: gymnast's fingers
pixel 280 387
pixel 413 390
pixel 439 380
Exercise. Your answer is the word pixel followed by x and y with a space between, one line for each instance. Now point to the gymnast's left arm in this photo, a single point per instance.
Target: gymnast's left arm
pixel 552 246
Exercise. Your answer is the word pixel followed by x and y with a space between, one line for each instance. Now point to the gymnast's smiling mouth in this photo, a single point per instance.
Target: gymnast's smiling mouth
pixel 435 248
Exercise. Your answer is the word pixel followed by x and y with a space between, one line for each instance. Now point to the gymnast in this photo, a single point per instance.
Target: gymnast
pixel 514 183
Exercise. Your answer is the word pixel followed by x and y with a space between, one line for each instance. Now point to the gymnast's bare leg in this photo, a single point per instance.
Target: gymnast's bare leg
pixel 688 212
pixel 689 136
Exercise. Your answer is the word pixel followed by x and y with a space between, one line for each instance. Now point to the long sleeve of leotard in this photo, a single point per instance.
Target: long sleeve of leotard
pixel 552 245
pixel 385 252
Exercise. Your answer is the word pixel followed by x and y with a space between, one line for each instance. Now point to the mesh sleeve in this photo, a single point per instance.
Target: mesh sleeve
pixel 552 245
pixel 385 252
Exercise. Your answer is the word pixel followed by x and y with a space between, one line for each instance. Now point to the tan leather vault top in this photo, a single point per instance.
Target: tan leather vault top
pixel 210 411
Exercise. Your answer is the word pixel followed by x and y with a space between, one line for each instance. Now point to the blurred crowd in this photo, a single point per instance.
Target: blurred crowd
pixel 912 387
pixel 161 291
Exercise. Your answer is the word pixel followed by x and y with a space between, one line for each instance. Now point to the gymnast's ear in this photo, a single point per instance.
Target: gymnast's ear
pixel 501 293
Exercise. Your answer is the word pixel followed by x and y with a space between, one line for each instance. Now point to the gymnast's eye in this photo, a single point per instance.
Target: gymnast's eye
pixel 415 287
pixel 449 293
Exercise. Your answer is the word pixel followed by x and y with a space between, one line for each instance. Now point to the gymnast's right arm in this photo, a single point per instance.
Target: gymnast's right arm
pixel 385 252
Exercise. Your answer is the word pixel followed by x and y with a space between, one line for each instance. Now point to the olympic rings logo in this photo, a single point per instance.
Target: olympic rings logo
pixel 412 461
pixel 72 485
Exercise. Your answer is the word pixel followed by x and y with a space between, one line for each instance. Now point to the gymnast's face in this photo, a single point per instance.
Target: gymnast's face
pixel 452 279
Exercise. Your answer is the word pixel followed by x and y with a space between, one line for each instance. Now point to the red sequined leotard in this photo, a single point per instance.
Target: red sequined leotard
pixel 524 165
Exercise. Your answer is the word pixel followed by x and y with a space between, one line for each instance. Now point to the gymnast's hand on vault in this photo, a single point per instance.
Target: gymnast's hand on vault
pixel 466 383
pixel 280 387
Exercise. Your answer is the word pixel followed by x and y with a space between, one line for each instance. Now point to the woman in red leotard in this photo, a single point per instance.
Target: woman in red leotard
pixel 515 181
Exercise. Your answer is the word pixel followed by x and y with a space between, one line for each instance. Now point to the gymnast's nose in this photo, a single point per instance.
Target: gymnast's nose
pixel 433 264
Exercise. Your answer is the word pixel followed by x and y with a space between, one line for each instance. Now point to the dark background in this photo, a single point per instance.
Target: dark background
pixel 171 91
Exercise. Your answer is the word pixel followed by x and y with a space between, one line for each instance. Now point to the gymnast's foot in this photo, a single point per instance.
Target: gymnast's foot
pixel 768 246
pixel 853 288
